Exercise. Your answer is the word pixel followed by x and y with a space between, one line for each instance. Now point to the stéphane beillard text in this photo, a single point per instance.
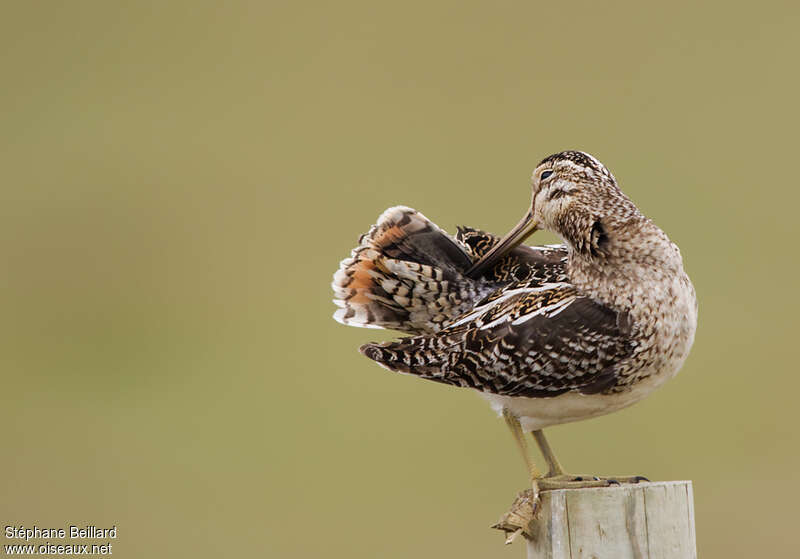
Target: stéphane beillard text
pixel 73 532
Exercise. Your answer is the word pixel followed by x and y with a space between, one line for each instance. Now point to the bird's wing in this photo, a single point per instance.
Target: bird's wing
pixel 520 341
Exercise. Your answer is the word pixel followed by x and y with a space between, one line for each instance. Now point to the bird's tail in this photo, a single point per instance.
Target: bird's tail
pixel 406 274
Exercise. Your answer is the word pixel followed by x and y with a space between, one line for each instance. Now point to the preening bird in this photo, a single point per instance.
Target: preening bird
pixel 547 334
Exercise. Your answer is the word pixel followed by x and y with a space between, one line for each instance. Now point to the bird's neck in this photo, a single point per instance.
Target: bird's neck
pixel 616 252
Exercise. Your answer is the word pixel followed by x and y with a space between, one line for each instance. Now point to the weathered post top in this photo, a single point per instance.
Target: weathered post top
pixel 648 520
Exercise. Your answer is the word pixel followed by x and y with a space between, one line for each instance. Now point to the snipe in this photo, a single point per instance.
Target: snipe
pixel 547 334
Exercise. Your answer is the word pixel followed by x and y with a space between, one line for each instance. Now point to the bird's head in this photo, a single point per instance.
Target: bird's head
pixel 565 185
pixel 575 197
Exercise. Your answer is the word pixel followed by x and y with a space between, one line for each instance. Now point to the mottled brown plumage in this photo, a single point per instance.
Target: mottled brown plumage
pixel 547 334
pixel 595 316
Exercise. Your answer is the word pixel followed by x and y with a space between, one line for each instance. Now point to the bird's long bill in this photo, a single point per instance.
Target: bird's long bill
pixel 519 233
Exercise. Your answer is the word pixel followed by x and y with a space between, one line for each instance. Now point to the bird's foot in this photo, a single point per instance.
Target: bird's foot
pixel 519 518
pixel 571 481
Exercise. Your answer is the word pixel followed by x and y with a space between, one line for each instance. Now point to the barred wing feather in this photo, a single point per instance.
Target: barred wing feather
pixel 520 340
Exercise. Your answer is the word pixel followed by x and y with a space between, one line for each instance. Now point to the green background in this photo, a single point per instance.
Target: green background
pixel 179 181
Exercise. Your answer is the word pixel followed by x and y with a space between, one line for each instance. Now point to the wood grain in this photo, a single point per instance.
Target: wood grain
pixel 642 521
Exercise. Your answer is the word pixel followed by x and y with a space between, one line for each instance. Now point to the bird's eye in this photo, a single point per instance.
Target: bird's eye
pixel 545 175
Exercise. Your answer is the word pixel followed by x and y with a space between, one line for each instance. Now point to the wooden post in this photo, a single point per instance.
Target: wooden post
pixel 638 521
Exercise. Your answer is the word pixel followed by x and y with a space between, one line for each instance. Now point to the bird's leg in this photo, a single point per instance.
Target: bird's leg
pixel 553 465
pixel 519 436
pixel 556 478
pixel 518 520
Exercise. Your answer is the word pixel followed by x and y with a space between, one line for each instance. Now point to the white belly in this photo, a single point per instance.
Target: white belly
pixel 538 413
